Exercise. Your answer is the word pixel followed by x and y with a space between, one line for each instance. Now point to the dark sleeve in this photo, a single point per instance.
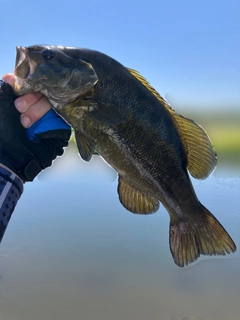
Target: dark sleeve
pixel 11 188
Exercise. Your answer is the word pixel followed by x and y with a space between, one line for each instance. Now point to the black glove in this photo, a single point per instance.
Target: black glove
pixel 17 152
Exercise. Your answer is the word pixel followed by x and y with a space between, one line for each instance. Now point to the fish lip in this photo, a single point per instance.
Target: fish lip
pixel 22 64
pixel 21 71
pixel 25 67
pixel 22 53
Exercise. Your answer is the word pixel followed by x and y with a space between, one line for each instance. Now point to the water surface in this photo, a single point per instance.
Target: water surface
pixel 72 251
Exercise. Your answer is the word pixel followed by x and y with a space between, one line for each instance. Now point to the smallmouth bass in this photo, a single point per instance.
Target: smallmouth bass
pixel 115 111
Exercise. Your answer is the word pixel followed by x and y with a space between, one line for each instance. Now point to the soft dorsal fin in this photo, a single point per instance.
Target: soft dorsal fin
pixel 85 147
pixel 202 157
pixel 135 200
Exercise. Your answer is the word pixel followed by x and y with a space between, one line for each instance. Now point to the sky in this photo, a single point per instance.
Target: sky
pixel 189 51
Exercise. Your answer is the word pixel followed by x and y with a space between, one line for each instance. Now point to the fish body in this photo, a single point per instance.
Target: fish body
pixel 116 112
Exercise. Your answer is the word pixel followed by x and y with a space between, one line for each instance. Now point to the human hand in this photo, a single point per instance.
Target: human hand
pixel 22 156
pixel 32 106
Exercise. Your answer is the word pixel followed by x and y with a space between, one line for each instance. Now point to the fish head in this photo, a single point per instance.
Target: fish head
pixel 49 70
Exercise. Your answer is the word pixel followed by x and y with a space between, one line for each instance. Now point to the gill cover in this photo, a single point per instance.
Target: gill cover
pixel 49 70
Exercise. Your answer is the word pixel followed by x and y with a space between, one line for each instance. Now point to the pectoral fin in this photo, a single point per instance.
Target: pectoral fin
pixel 202 157
pixel 85 147
pixel 135 200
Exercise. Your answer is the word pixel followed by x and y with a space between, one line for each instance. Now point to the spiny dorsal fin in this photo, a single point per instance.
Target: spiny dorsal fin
pixel 135 200
pixel 202 157
pixel 85 147
pixel 138 76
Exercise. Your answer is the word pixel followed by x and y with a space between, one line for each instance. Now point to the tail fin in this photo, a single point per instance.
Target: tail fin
pixel 189 239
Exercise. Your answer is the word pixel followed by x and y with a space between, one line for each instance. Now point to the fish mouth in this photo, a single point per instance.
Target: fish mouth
pixel 24 66
pixel 64 76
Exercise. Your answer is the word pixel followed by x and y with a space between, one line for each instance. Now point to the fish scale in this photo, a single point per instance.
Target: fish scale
pixel 115 111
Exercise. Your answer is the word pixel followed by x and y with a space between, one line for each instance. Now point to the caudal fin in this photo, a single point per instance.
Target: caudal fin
pixel 189 239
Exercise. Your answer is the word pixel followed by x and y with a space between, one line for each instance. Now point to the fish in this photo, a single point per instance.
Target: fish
pixel 115 111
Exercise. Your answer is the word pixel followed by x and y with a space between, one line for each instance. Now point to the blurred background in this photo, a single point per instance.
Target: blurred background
pixel 71 250
pixel 188 51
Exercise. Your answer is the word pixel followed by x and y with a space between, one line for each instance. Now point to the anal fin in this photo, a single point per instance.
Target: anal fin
pixel 135 200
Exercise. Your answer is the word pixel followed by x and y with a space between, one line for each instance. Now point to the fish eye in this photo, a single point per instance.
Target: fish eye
pixel 48 54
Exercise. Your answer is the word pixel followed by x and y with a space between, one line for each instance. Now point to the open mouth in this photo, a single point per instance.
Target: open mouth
pixel 21 55
pixel 25 67
pixel 22 65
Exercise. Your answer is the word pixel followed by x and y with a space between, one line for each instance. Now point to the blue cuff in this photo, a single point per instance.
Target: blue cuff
pixel 49 122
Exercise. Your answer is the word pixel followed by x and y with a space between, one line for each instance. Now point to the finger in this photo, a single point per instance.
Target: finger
pixel 9 78
pixel 35 112
pixel 32 106
pixel 24 102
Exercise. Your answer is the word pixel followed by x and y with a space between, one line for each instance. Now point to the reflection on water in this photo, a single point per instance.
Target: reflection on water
pixel 72 252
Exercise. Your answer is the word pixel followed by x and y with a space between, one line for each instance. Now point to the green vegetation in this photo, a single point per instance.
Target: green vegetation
pixel 224 131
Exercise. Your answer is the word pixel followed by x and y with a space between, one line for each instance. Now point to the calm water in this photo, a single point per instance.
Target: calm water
pixel 72 251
